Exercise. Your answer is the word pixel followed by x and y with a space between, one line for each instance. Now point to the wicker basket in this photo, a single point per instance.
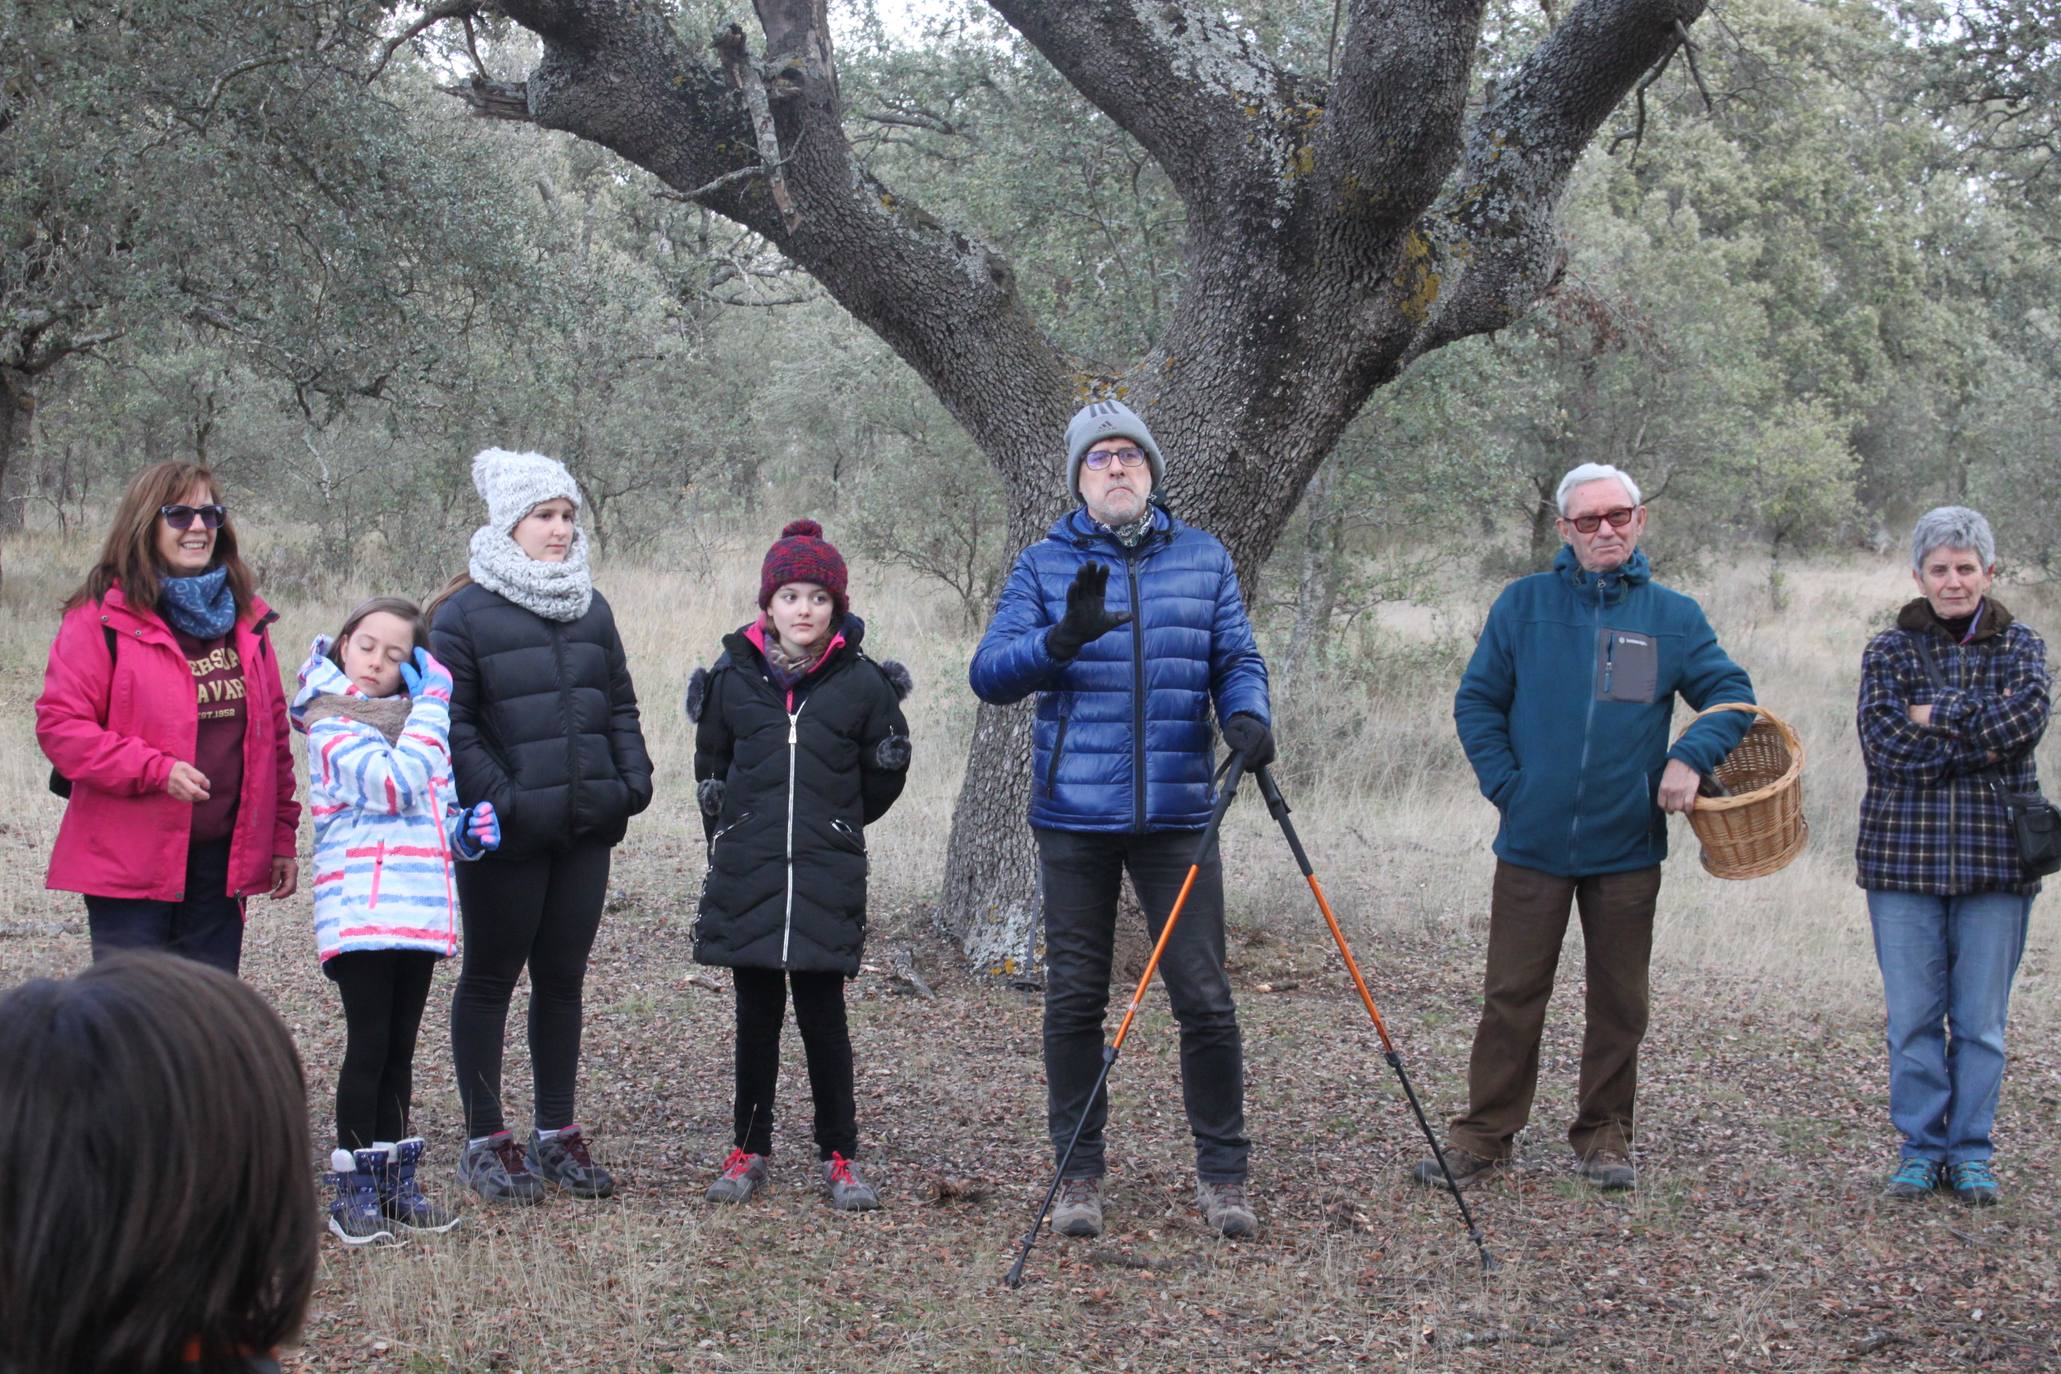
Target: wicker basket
pixel 1759 828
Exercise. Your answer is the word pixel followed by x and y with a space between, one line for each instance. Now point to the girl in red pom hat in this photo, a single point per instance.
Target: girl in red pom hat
pixel 799 744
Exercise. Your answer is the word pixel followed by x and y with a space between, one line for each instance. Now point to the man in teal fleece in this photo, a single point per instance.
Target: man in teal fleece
pixel 1564 712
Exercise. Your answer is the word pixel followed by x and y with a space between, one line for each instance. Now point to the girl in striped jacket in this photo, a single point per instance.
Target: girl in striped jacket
pixel 375 708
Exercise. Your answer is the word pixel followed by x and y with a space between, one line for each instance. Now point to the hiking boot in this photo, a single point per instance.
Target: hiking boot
pixel 744 1173
pixel 1973 1183
pixel 1468 1169
pixel 401 1197
pixel 847 1191
pixel 1079 1209
pixel 1914 1178
pixel 495 1169
pixel 1608 1171
pixel 1223 1204
pixel 355 1217
pixel 561 1160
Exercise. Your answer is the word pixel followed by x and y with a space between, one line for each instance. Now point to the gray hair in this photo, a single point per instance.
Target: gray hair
pixel 1594 472
pixel 1952 527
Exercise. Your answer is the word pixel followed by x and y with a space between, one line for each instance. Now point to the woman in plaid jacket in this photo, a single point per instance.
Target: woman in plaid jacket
pixel 1947 897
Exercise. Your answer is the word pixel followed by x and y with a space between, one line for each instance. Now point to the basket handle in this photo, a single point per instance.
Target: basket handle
pixel 1789 735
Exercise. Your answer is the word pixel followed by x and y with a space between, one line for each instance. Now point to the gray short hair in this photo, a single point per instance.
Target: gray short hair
pixel 1952 527
pixel 1593 472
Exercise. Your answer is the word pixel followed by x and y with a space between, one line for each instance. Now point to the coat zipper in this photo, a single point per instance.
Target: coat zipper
pixel 793 738
pixel 1581 772
pixel 1137 697
pixel 378 867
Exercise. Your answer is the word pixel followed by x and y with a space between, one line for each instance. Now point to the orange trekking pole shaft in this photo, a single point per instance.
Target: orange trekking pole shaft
pixel 1232 768
pixel 1277 805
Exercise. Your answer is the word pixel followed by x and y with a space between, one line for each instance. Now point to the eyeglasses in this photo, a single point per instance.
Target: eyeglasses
pixel 1098 459
pixel 1619 518
pixel 210 516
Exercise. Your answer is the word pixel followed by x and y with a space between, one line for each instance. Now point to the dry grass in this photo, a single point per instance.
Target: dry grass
pixel 1755 1243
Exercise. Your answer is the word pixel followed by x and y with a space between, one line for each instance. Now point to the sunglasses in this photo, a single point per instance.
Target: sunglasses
pixel 210 516
pixel 1619 518
pixel 1098 459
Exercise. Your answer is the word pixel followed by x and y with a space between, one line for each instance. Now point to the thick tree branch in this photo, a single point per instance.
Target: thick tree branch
pixel 1392 127
pixel 613 72
pixel 1492 247
pixel 1222 120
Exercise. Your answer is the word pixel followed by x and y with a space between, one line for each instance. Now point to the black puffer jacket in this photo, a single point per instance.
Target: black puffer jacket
pixel 543 721
pixel 788 782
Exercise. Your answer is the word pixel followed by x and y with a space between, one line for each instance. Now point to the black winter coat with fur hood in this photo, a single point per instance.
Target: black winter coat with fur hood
pixel 788 780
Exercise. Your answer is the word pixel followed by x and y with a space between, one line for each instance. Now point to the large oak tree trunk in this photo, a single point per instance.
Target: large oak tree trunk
pixel 1336 231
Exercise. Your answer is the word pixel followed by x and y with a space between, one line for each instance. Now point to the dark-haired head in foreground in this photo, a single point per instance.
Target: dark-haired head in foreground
pixel 156 1210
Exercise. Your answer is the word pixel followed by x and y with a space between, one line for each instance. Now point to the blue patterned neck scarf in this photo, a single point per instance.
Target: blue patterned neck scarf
pixel 201 605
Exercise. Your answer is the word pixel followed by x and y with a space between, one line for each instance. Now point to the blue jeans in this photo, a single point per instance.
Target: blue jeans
pixel 1947 965
pixel 205 924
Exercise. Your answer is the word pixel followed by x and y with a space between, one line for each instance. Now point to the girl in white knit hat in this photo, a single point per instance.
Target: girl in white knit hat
pixel 544 725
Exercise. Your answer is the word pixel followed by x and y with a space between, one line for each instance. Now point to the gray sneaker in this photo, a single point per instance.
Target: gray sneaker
pixel 744 1173
pixel 494 1168
pixel 1468 1169
pixel 1609 1171
pixel 563 1162
pixel 1079 1209
pixel 847 1191
pixel 1223 1204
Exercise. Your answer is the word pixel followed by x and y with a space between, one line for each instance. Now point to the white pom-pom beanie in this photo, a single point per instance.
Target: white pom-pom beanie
pixel 514 484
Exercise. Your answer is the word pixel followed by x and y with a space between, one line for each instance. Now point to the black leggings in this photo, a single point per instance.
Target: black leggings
pixel 819 1011
pixel 384 991
pixel 540 912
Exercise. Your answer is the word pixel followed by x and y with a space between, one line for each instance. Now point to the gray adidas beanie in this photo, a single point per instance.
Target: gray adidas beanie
pixel 514 484
pixel 1099 420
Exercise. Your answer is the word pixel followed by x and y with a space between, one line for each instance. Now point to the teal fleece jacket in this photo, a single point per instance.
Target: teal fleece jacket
pixel 1564 712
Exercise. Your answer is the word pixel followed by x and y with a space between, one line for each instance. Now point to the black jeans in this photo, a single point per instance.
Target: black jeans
pixel 384 991
pixel 206 925
pixel 542 913
pixel 826 1041
pixel 1082 874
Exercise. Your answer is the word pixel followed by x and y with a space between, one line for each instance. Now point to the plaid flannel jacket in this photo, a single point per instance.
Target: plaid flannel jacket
pixel 1930 821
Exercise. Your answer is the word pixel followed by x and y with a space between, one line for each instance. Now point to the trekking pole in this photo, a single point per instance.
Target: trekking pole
pixel 1233 766
pixel 1278 806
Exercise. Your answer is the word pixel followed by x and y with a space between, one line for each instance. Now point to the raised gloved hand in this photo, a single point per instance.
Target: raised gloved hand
pixel 1087 619
pixel 426 677
pixel 481 831
pixel 1249 735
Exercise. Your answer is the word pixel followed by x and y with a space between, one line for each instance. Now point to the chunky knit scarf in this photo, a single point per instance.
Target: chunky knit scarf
pixel 201 605
pixel 385 714
pixel 555 591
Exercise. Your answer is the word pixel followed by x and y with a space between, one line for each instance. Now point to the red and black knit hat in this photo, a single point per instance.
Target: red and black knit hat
pixel 802 554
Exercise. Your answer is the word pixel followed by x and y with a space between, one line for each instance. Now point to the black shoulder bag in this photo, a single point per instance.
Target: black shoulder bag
pixel 60 785
pixel 2035 824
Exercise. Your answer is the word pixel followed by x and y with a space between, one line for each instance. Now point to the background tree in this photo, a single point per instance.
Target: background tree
pixel 1337 226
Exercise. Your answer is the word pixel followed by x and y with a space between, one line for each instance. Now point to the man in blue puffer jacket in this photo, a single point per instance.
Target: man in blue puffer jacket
pixel 1121 758
pixel 1564 713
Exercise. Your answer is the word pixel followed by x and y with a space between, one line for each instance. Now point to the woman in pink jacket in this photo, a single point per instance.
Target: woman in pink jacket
pixel 163 711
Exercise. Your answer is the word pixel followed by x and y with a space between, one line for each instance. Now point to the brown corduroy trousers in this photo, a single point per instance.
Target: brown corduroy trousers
pixel 1527 922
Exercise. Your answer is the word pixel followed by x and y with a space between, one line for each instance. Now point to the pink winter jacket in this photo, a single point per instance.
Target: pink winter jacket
pixel 115 729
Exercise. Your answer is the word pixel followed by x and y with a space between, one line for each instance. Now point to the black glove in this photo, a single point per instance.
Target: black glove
pixel 1249 735
pixel 1086 619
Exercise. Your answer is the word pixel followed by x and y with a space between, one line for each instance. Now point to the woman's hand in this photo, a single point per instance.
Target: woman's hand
pixel 1921 715
pixel 286 876
pixel 186 783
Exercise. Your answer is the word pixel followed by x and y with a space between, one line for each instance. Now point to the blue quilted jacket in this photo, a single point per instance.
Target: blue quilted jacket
pixel 1124 739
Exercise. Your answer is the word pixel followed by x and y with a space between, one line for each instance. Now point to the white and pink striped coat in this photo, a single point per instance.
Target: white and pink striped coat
pixel 386 821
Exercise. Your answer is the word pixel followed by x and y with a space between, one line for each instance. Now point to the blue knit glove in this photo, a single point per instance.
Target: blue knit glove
pixel 426 677
pixel 480 833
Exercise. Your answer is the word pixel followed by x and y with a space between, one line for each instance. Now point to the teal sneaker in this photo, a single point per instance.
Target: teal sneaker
pixel 1914 1178
pixel 1974 1184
